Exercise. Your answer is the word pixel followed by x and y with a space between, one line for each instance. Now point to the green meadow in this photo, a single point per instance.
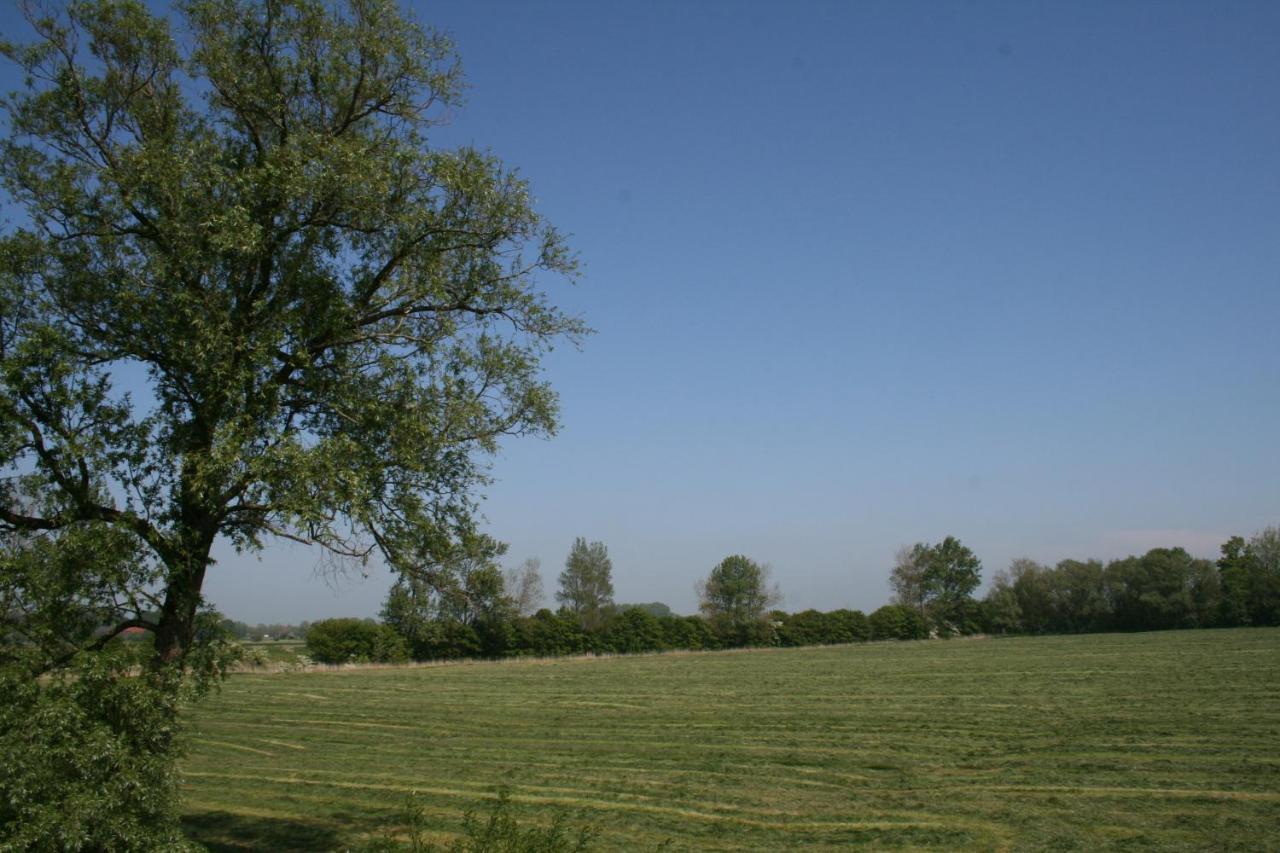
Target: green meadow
pixel 1165 741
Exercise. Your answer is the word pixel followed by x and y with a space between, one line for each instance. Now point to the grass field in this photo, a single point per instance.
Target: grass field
pixel 1167 741
pixel 276 651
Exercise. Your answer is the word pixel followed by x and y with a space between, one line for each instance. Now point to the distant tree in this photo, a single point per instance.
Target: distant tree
pixel 524 586
pixel 653 608
pixel 1206 594
pixel 1000 611
pixel 1264 565
pixel 953 572
pixel 813 628
pixel 1032 588
pixel 631 630
pixel 586 584
pixel 1155 591
pixel 448 640
pixel 736 596
pixel 805 628
pixel 907 577
pixel 1078 596
pixel 1235 568
pixel 467 590
pixel 849 626
pixel 236 629
pixel 688 632
pixel 937 581
pixel 547 634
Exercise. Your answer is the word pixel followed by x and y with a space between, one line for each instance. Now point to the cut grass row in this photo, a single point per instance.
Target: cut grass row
pixel 1167 740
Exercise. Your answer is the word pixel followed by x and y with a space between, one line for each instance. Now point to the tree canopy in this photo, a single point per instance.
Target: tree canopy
pixel 247 298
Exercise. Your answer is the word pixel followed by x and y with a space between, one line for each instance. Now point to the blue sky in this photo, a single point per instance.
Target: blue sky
pixel 865 274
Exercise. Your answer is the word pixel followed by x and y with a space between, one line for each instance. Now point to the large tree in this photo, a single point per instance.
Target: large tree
pixel 586 584
pixel 246 298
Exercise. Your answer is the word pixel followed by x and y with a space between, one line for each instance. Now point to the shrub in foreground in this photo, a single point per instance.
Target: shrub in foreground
pixel 87 760
pixel 498 832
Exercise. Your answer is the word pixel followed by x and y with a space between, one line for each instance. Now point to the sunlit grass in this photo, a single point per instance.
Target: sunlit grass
pixel 1167 741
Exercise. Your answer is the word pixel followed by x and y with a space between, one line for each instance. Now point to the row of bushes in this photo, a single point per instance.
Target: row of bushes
pixel 629 630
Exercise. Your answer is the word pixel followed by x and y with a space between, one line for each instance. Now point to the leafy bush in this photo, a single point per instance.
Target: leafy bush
pixel 688 632
pixel 849 626
pixel 88 758
pixel 895 622
pixel 547 634
pixel 806 628
pixel 633 630
pixel 446 640
pixel 355 640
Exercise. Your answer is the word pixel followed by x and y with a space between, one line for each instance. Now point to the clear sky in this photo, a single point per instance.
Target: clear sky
pixel 865 274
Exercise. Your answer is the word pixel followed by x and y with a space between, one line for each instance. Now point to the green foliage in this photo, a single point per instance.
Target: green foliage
pixel 1154 591
pixel 1078 597
pixel 1001 613
pixel 87 762
pixel 1263 562
pixel 498 831
pixel 907 576
pixel 633 630
pixel 88 750
pixel 896 622
pixel 952 573
pixel 335 641
pixel 456 609
pixel 86 734
pixel 938 581
pixel 447 640
pixel 1234 582
pixel 67 590
pixel 812 628
pixel 735 598
pixel 586 584
pixel 501 832
pixel 1165 588
pixel 653 608
pixel 548 634
pixel 337 322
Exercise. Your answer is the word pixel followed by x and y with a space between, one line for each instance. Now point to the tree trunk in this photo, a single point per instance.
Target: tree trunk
pixel 176 629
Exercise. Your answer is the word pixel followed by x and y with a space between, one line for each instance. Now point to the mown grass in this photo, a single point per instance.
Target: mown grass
pixel 1168 740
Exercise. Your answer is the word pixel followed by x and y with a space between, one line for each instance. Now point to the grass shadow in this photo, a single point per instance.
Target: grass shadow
pixel 224 832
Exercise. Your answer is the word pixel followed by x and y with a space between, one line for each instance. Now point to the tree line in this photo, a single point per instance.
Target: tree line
pixel 478 611
pixel 475 610
pixel 1165 588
